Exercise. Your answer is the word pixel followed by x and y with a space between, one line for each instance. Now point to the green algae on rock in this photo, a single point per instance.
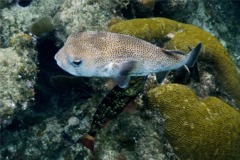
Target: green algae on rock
pixel 42 27
pixel 197 129
pixel 21 40
pixel 173 34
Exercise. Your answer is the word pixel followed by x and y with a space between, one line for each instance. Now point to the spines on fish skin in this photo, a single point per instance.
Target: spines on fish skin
pixel 118 56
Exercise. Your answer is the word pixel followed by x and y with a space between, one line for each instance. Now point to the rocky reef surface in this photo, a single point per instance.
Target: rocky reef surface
pixel 198 126
pixel 44 111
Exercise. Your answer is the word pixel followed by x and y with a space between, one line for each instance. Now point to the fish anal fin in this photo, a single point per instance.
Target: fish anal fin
pixel 127 67
pixel 194 70
pixel 185 73
pixel 187 69
pixel 161 76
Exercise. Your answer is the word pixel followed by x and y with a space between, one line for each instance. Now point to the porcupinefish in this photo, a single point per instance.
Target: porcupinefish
pixel 119 56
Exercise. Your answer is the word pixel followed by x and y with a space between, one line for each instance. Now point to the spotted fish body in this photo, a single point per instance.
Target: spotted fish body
pixel 115 101
pixel 118 56
pixel 111 106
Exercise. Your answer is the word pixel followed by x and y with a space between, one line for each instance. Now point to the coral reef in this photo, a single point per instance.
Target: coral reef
pixel 18 74
pixel 197 129
pixel 17 19
pixel 132 136
pixel 171 34
pixel 21 40
pixel 109 109
pixel 83 15
pixel 218 22
pixel 43 140
pixel 68 16
pixel 65 105
pixel 220 18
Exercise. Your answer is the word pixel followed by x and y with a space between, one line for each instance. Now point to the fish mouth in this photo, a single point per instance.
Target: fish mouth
pixel 55 57
pixel 60 65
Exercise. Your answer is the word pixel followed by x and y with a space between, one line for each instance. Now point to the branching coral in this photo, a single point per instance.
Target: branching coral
pixel 198 129
pixel 175 35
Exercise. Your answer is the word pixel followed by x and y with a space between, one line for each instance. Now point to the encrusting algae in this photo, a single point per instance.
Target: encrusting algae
pixel 176 35
pixel 197 129
pixel 21 40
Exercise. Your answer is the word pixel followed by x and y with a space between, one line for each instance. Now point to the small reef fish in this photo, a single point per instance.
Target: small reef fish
pixel 119 56
pixel 110 107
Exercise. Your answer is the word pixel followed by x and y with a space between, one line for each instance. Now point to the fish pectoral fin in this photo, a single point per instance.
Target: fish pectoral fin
pixel 127 67
pixel 124 76
pixel 122 81
pixel 161 76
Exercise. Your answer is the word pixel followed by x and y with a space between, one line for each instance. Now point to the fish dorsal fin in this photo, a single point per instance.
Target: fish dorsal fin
pixel 161 76
pixel 123 77
pixel 173 52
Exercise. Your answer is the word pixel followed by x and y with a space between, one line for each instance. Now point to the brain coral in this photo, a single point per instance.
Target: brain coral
pixel 175 35
pixel 197 129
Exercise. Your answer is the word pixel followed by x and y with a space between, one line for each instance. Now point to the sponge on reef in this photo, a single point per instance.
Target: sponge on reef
pixel 176 35
pixel 42 27
pixel 197 129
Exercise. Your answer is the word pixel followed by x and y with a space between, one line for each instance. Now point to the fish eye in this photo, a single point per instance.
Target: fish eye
pixel 77 63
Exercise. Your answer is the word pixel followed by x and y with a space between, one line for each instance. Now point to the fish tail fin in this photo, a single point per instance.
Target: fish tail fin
pixel 193 55
pixel 87 140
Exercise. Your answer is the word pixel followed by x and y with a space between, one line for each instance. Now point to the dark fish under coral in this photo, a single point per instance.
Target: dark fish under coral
pixel 110 107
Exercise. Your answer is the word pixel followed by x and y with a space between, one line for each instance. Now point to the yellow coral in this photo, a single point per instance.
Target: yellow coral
pixel 197 129
pixel 114 21
pixel 178 35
